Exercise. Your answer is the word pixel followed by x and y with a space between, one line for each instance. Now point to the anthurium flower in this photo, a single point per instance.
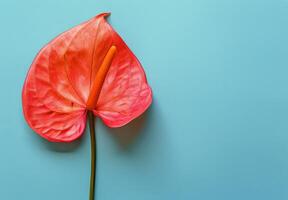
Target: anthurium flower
pixel 87 69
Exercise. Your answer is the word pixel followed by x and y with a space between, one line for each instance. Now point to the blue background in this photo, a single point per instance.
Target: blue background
pixel 217 128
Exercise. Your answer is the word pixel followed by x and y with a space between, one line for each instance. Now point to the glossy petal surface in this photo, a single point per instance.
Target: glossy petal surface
pixel 59 82
pixel 51 124
pixel 125 94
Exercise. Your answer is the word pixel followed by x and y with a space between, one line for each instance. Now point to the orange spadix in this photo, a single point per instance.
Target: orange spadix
pixel 99 78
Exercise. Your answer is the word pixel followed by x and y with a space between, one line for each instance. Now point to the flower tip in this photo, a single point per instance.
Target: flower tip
pixel 105 14
pixel 113 48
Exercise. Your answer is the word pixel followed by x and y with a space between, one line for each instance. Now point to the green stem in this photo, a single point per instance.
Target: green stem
pixel 91 119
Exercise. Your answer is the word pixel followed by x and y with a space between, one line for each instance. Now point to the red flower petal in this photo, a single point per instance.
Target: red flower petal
pixel 59 82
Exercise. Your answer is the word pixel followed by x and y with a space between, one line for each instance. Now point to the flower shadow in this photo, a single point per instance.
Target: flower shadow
pixel 63 147
pixel 127 135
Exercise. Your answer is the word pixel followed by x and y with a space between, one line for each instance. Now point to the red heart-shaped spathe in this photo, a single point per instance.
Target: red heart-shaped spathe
pixel 61 77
